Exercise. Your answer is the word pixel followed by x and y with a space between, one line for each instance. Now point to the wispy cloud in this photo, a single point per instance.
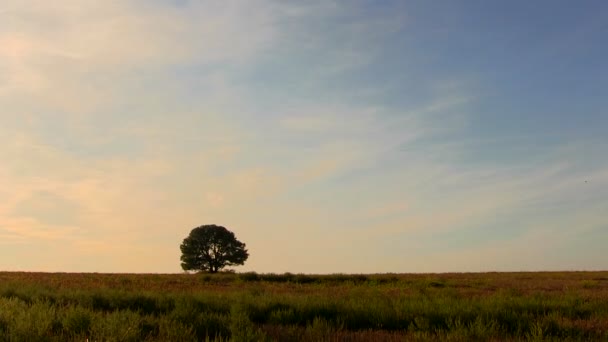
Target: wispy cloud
pixel 127 123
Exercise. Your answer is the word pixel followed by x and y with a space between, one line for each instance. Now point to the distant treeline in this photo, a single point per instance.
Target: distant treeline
pixel 306 278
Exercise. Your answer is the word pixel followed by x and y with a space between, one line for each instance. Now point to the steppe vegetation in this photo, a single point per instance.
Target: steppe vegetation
pixel 289 307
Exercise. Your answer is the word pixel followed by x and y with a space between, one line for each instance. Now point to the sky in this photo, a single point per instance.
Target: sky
pixel 329 136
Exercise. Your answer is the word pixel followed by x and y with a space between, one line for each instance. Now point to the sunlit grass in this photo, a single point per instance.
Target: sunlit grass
pixel 252 307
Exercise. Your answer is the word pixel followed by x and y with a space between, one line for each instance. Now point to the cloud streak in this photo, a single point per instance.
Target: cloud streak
pixel 128 123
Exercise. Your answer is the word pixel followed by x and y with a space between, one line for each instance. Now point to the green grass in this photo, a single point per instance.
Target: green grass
pixel 289 307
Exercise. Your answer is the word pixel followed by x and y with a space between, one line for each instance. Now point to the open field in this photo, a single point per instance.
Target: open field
pixel 286 307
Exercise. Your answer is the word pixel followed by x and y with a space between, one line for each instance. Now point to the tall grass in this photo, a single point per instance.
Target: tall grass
pixel 255 307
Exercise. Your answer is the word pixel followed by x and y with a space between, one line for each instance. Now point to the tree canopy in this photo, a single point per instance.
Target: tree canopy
pixel 210 248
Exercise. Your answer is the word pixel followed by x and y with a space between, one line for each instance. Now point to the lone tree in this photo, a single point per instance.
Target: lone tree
pixel 210 248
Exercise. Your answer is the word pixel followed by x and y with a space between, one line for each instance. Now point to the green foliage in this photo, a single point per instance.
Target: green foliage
pixel 77 321
pixel 320 330
pixel 20 321
pixel 590 284
pixel 210 248
pixel 254 307
pixel 121 325
pixel 311 279
pixel 241 327
pixel 249 276
pixel 205 319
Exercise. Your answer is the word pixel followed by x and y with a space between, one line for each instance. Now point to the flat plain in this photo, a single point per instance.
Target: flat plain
pixel 298 307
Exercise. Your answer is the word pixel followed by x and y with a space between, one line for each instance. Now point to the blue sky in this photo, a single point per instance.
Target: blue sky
pixel 359 136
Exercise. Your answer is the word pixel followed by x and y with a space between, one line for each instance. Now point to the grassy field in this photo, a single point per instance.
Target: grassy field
pixel 286 307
